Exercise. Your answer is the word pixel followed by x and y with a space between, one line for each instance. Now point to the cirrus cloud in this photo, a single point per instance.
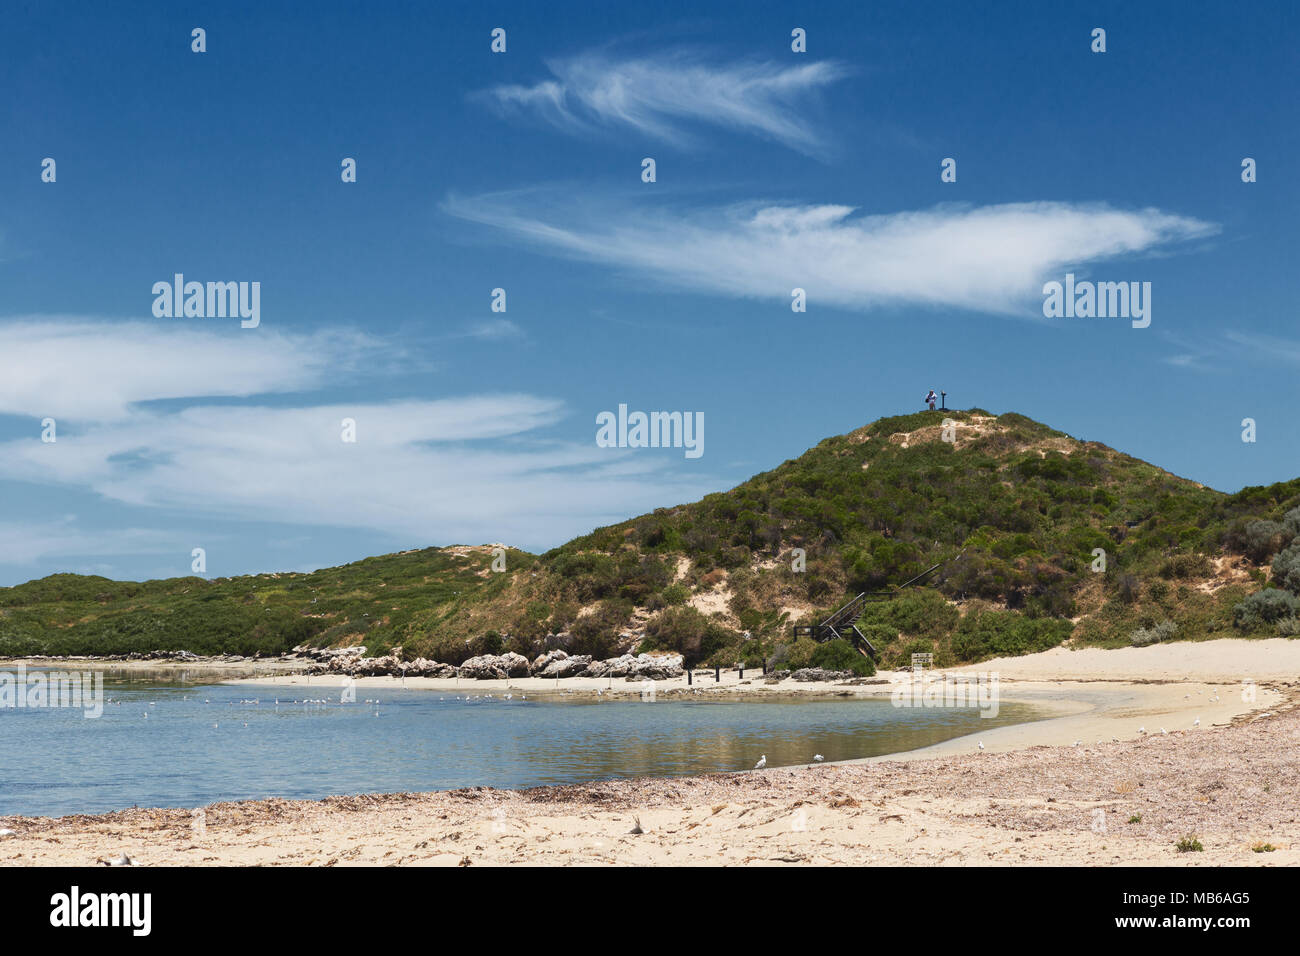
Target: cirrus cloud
pixel 464 468
pixel 660 94
pixel 986 258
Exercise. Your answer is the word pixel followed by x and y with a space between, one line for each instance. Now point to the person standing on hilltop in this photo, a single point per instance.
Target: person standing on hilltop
pixel 930 399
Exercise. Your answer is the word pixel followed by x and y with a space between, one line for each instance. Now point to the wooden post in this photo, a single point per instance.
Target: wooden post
pixel 689 676
pixel 717 674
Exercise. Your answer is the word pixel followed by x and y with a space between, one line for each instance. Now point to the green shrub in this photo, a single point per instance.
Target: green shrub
pixel 597 633
pixel 1286 568
pixel 675 594
pixel 689 633
pixel 984 634
pixel 1163 631
pixel 914 613
pixel 840 655
pixel 1186 566
pixel 1264 539
pixel 1265 607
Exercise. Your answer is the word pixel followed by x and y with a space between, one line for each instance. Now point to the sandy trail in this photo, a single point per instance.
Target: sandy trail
pixel 1235 787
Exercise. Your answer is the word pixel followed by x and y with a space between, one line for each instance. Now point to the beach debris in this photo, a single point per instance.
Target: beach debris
pixel 122 860
pixel 6 832
pixel 636 827
pixel 762 762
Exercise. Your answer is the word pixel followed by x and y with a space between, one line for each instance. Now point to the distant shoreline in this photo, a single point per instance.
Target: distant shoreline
pixel 1032 796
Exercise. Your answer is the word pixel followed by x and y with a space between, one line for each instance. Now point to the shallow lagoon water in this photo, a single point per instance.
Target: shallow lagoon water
pixel 203 743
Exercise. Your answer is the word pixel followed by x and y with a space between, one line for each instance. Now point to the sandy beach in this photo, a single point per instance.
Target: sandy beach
pixel 1030 796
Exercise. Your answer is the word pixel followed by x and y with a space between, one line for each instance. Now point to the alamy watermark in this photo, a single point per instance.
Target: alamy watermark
pixel 652 430
pixel 1100 300
pixel 978 690
pixel 213 300
pixel 41 690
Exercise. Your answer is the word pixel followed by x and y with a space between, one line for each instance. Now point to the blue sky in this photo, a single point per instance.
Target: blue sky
pixel 522 171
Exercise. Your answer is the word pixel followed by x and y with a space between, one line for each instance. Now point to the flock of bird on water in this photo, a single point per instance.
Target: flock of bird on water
pixel 762 760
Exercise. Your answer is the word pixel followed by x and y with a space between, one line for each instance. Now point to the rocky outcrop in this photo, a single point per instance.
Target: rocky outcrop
pixel 543 661
pixel 423 667
pixel 614 667
pixel 372 666
pixel 565 666
pixel 820 674
pixel 553 664
pixel 495 666
pixel 656 667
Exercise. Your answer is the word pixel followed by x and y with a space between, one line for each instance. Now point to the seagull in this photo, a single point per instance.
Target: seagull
pixel 122 860
pixel 762 762
pixel 1196 722
pixel 6 832
pixel 818 757
pixel 1142 730
pixel 1163 731
pixel 981 745
pixel 1078 742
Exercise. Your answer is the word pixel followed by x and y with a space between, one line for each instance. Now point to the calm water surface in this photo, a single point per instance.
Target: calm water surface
pixel 205 743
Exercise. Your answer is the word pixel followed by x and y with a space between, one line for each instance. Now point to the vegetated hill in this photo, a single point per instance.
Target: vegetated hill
pixel 1019 511
pixel 370 600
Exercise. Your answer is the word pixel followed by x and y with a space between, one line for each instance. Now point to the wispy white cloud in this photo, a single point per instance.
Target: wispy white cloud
pixel 662 94
pixel 1234 347
pixel 988 258
pixel 95 371
pixel 471 468
pixel 27 542
pixel 494 330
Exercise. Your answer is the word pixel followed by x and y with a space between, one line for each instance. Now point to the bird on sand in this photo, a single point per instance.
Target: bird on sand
pixel 818 758
pixel 762 762
pixel 1196 722
pixel 122 860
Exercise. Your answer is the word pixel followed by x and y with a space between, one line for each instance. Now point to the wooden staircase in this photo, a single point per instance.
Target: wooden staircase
pixel 843 624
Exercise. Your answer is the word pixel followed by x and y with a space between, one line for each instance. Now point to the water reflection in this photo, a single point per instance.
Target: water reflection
pixel 202 743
